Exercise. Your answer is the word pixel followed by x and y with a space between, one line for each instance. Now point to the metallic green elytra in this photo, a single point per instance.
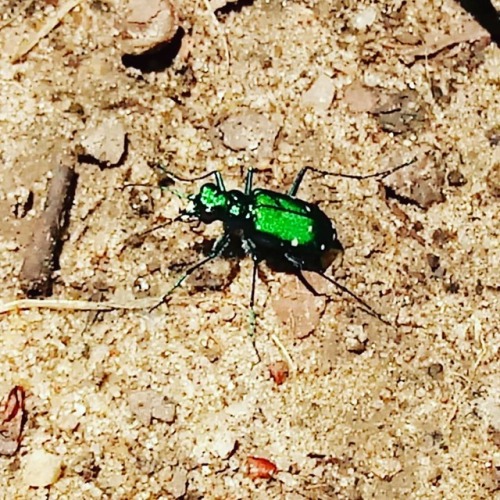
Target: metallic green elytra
pixel 272 226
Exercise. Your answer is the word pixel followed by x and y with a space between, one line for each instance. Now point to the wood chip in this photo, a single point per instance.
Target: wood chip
pixel 43 251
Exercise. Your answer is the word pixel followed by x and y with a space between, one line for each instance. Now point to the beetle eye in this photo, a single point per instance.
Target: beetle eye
pixel 190 209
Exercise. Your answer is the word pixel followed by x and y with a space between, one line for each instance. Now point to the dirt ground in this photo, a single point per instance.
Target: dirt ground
pixel 173 403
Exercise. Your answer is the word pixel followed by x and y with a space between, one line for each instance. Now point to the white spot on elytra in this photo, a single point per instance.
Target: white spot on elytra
pixel 322 247
pixel 295 242
pixel 308 209
pixel 310 229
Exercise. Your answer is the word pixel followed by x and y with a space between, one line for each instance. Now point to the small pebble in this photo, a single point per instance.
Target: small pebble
pixel 320 94
pixel 433 261
pixel 456 178
pixel 105 142
pixel 356 339
pixel 42 469
pixel 224 443
pixel 163 410
pixel 435 370
pixel 21 202
pixel 148 404
pixel 251 131
pixel 364 18
pixel 279 371
pixel 149 23
pixel 178 484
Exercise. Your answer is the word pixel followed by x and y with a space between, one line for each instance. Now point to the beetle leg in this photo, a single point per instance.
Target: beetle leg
pixel 252 308
pixel 219 246
pixel 308 285
pixel 249 181
pixel 297 181
pixel 367 308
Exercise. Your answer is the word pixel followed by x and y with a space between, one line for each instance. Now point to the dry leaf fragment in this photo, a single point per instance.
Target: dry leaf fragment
pixel 12 420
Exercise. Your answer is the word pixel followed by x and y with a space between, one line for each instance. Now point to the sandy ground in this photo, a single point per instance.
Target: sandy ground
pixel 172 403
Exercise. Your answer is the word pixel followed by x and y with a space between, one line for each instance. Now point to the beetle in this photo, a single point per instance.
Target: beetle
pixel 272 226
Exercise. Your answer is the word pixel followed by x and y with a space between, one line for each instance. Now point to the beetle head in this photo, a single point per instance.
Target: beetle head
pixel 208 205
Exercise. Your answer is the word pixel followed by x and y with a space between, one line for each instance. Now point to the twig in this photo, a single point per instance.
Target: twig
pixel 42 252
pixel 46 28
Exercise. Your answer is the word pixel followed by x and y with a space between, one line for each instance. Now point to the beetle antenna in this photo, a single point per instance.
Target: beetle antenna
pixel 382 174
pixel 137 238
pixel 177 193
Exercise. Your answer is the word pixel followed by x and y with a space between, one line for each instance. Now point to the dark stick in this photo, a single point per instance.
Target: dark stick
pixel 42 253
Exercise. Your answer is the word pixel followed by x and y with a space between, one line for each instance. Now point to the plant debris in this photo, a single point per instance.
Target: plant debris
pixel 12 419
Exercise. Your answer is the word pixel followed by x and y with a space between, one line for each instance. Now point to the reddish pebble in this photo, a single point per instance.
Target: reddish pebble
pixel 279 371
pixel 260 468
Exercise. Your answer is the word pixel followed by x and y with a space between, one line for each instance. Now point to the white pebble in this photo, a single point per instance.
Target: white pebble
pixel 42 469
pixel 364 18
